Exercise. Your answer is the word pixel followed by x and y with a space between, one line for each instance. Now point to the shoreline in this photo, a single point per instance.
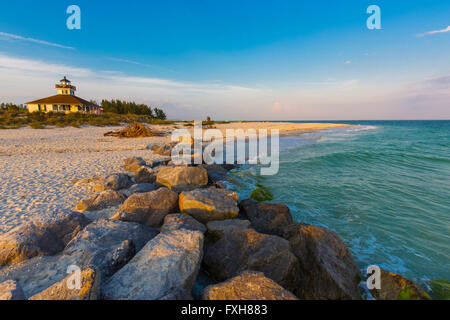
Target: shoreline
pixel 183 195
pixel 37 164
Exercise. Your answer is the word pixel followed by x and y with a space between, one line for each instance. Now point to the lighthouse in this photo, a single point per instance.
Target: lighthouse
pixel 65 101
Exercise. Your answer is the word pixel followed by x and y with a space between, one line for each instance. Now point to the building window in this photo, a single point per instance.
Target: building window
pixel 79 108
pixel 45 107
pixel 55 107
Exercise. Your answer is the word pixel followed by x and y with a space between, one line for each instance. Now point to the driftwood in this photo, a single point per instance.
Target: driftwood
pixel 133 130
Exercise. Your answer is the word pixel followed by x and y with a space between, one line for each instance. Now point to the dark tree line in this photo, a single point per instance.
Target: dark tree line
pixel 11 107
pixel 125 107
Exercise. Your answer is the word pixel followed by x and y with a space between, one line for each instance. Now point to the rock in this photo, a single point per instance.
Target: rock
pixel 181 221
pixel 216 229
pixel 66 289
pixel 158 162
pixel 249 285
pixel 396 287
pixel 216 173
pixel 104 245
pixel 133 164
pixel 165 269
pixel 11 290
pixel 266 217
pixel 182 178
pixel 92 180
pixel 148 208
pixel 119 256
pixel 106 213
pixel 209 204
pixel 145 175
pixel 101 201
pixel 246 249
pixel 441 289
pixel 261 194
pixel 327 268
pixel 44 235
pixel 163 150
pixel 228 167
pixel 140 188
pixel 115 181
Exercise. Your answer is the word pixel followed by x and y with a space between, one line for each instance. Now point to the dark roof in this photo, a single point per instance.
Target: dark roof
pixel 65 79
pixel 63 99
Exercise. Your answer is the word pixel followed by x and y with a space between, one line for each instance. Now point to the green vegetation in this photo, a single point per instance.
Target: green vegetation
pixel 15 116
pixel 261 194
pixel 441 289
pixel 411 294
pixel 125 107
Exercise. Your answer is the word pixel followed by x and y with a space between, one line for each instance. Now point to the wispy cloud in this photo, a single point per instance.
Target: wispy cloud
pixel 33 66
pixel 331 99
pixel 43 42
pixel 429 33
pixel 348 62
pixel 139 63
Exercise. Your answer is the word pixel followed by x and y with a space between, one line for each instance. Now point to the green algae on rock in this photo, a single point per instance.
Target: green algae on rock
pixel 261 194
pixel 441 289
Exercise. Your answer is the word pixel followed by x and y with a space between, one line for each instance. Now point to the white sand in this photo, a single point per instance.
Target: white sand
pixel 37 166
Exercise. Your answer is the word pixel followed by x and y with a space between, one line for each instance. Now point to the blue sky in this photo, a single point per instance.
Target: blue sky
pixel 284 60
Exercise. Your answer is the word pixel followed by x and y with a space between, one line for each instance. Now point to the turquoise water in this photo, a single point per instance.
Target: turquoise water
pixel 383 186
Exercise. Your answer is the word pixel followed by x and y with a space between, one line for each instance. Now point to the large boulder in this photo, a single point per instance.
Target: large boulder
pixel 266 217
pixel 395 287
pixel 148 208
pixel 104 245
pixel 182 178
pixel 246 249
pixel 101 201
pixel 216 173
pixel 44 235
pixel 133 164
pixel 140 188
pixel 181 221
pixel 249 285
pixel 145 175
pixel 11 290
pixel 165 269
pixel 158 162
pixel 209 204
pixel 327 268
pixel 115 181
pixel 162 150
pixel 216 229
pixel 66 289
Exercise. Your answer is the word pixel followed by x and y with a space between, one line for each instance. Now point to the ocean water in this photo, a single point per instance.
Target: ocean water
pixel 382 186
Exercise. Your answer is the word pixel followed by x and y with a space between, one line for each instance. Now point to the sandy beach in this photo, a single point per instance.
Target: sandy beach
pixel 37 166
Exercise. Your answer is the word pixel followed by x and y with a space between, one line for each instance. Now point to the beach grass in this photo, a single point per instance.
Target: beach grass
pixel 41 120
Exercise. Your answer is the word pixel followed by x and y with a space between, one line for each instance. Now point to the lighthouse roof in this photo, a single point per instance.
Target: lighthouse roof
pixel 63 99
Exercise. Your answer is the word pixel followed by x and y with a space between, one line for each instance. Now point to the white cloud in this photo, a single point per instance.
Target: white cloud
pixel 348 62
pixel 38 66
pixel 184 100
pixel 434 32
pixel 23 80
pixel 43 42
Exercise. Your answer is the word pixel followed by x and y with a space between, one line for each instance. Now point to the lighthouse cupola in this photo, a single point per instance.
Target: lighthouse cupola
pixel 65 87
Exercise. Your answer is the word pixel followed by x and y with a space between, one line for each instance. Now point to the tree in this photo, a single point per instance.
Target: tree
pixel 159 114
